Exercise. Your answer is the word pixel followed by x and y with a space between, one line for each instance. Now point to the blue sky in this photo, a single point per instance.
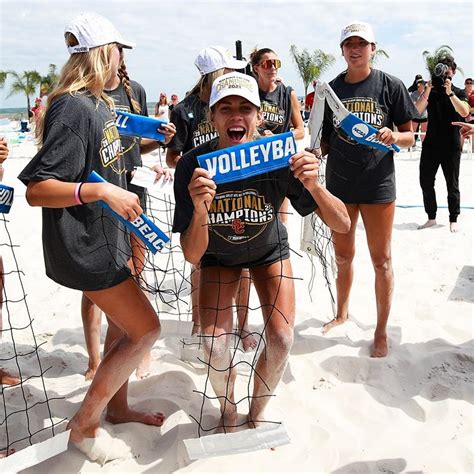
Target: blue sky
pixel 170 34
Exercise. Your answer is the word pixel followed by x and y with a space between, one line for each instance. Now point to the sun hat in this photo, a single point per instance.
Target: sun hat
pixel 214 58
pixel 235 83
pixel 357 28
pixel 92 30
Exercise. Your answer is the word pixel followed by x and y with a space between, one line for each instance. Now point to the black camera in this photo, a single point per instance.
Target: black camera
pixel 440 74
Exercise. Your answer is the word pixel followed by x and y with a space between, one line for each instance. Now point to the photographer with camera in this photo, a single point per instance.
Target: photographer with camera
pixel 445 103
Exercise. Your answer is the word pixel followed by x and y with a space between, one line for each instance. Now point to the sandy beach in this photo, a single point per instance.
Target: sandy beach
pixel 344 411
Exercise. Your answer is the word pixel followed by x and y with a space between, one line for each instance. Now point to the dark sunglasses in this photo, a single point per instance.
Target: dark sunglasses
pixel 468 83
pixel 269 63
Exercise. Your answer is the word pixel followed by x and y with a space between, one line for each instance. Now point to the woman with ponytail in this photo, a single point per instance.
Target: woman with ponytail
pixel 84 248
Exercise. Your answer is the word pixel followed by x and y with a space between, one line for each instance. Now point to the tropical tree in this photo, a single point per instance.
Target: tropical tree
pixel 25 83
pixel 311 65
pixel 3 77
pixel 432 59
pixel 379 53
pixel 49 81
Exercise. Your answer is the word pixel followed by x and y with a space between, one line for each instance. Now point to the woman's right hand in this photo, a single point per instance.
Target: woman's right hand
pixel 202 190
pixel 123 202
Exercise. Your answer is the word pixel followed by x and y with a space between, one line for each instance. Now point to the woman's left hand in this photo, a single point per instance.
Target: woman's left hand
pixel 305 167
pixel 168 130
pixel 166 173
pixel 387 136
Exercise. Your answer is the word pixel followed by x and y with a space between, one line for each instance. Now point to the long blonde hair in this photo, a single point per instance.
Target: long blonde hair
pixel 203 86
pixel 83 71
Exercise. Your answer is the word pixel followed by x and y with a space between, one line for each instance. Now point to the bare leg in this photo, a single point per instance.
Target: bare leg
pixel 275 288
pixel 216 290
pixel 137 264
pixel 195 271
pixel 249 341
pixel 91 320
pixel 283 211
pixel 129 309
pixel 378 222
pixel 344 248
pixel 2 282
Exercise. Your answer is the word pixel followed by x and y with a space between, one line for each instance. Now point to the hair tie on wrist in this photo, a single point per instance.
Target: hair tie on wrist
pixel 77 194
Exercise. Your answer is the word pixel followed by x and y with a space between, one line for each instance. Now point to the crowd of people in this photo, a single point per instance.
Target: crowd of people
pixel 224 108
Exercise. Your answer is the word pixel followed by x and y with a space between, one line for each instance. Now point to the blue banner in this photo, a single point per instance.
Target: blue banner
pixel 364 133
pixel 6 198
pixel 153 237
pixel 139 126
pixel 249 159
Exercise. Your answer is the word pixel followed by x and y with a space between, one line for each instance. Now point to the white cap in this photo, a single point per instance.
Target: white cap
pixel 235 83
pixel 92 30
pixel 216 57
pixel 357 28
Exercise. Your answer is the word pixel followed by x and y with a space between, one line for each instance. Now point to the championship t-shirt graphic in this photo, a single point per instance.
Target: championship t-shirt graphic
pixel 240 216
pixel 204 132
pixel 364 108
pixel 273 115
pixel 110 148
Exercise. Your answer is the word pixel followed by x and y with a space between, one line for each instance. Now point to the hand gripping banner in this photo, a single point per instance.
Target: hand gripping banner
pixel 249 159
pixel 142 226
pixel 356 128
pixel 6 198
pixel 139 126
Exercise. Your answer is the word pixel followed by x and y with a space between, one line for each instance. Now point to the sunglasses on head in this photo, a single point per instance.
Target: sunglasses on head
pixel 269 63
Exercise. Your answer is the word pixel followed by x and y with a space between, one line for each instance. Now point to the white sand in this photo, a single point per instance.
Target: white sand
pixel 344 411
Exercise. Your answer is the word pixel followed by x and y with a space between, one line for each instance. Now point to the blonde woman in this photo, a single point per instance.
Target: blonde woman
pixel 85 248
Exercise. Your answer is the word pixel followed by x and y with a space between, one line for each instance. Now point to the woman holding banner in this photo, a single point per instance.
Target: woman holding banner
pixel 363 177
pixel 231 226
pixel 84 248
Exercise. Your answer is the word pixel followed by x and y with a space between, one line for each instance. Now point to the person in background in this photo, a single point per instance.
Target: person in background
pixel 174 103
pixel 442 146
pixel 364 177
pixel 413 87
pixel 470 96
pixel 422 118
pixel 162 107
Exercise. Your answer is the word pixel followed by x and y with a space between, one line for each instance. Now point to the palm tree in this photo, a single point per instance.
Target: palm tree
pixel 3 77
pixel 432 59
pixel 25 83
pixel 377 55
pixel 49 81
pixel 311 66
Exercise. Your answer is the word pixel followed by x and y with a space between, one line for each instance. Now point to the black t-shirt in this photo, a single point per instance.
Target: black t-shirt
pixel 276 109
pixel 131 145
pixel 192 125
pixel 357 173
pixel 84 247
pixel 244 228
pixel 441 112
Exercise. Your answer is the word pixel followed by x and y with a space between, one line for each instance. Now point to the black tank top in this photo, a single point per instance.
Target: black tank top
pixel 276 109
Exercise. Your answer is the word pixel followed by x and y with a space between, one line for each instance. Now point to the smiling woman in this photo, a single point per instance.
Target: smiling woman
pixel 244 232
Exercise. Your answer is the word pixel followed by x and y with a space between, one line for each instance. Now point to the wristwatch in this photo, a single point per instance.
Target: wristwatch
pixel 450 95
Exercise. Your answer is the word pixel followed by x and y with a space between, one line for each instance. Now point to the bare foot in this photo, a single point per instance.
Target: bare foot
pixel 90 373
pixel 8 452
pixel 333 323
pixel 429 223
pixel 8 379
pixel 249 341
pixel 143 369
pixel 255 421
pixel 453 227
pixel 228 422
pixel 135 416
pixel 380 346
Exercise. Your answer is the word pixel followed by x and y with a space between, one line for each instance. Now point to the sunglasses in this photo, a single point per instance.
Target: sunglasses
pixel 269 63
pixel 468 83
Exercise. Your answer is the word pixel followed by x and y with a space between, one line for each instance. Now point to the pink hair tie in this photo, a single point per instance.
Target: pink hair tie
pixel 77 194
